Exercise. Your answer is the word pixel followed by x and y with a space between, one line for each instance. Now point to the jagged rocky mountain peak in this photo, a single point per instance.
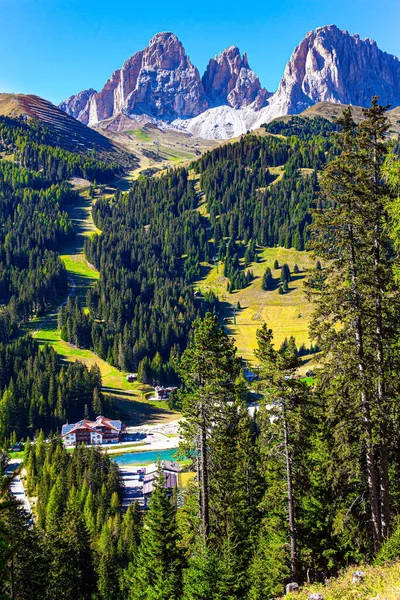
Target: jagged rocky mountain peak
pixel 77 106
pixel 229 80
pixel 161 84
pixel 331 65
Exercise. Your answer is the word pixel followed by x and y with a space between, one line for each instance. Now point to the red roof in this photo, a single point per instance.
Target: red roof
pixel 86 425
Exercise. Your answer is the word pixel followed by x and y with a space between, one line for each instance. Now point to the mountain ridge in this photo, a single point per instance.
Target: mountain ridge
pixel 161 85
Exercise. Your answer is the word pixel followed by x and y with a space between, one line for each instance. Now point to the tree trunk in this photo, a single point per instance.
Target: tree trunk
pixel 198 474
pixel 289 477
pixel 204 480
pixel 365 405
pixel 381 388
pixel 381 401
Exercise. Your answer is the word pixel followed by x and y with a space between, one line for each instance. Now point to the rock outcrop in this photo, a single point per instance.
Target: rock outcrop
pixel 160 84
pixel 330 64
pixel 77 106
pixel 159 81
pixel 229 80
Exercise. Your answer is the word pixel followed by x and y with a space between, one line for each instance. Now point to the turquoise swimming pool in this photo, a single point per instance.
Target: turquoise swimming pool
pixel 143 458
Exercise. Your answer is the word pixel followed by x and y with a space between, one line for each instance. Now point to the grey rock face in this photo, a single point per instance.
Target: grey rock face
pixel 358 576
pixel 159 81
pixel 292 588
pixel 77 106
pixel 330 64
pixel 229 80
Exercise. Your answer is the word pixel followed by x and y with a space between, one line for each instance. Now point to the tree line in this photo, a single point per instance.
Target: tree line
pixel 39 392
pixel 33 222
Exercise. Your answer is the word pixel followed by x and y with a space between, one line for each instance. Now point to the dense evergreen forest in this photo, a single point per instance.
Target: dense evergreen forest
pixel 38 392
pixel 247 201
pixel 33 223
pixel 307 485
pixel 154 239
pixel 81 540
pixel 302 127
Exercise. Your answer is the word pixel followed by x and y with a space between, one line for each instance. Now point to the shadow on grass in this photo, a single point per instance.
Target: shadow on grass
pixel 133 412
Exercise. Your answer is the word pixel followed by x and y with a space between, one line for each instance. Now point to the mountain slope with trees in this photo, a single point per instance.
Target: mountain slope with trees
pixel 306 486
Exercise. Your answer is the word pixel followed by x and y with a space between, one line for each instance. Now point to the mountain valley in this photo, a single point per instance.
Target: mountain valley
pixel 197 271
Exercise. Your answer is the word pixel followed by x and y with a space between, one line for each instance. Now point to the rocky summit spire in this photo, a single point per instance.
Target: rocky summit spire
pixel 159 81
pixel 330 64
pixel 229 80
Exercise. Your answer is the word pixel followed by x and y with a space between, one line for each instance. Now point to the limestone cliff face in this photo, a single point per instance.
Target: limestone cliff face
pixel 331 65
pixel 77 106
pixel 168 85
pixel 229 80
pixel 159 81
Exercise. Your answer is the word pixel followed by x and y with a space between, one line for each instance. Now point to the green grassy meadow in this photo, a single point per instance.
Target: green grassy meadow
pixel 287 314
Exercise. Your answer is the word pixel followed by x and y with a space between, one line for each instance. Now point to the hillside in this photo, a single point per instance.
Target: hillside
pixel 378 583
pixel 287 314
pixel 69 133
pixel 331 111
pixel 156 149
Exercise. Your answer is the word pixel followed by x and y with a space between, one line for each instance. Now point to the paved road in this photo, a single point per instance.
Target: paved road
pixel 16 487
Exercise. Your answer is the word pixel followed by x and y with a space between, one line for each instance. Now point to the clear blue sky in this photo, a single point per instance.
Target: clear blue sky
pixel 55 48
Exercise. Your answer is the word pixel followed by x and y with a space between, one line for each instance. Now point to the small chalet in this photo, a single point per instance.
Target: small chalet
pixel 163 393
pixel 170 470
pixel 100 431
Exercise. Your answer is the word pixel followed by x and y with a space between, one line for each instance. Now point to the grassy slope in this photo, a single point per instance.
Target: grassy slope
pixel 129 397
pixel 175 149
pixel 380 583
pixel 287 314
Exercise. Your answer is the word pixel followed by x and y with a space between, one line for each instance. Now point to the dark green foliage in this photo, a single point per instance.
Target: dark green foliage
pixel 390 549
pixel 157 571
pixel 305 129
pixel 32 226
pixel 38 392
pixel 356 325
pixel 71 569
pixel 81 541
pixel 75 324
pixel 33 221
pixel 285 273
pixel 289 352
pixel 242 204
pixel 144 296
pixel 37 148
pixel 221 438
pixel 27 564
pixel 267 280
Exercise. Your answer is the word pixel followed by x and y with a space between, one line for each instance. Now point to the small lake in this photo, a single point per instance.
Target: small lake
pixel 144 458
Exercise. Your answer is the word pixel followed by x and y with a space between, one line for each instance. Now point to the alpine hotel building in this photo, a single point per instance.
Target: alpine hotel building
pixel 100 431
